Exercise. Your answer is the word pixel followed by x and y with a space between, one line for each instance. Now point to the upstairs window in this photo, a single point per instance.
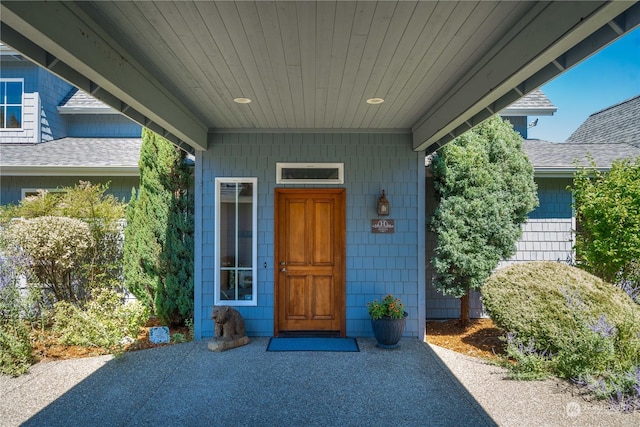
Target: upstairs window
pixel 236 241
pixel 11 91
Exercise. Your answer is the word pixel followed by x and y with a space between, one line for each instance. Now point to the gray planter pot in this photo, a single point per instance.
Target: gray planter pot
pixel 388 331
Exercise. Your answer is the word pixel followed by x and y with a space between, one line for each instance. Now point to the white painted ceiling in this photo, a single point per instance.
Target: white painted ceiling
pixel 441 67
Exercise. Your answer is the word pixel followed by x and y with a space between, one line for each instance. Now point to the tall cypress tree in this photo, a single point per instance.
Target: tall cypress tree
pixel 174 302
pixel 486 190
pixel 158 244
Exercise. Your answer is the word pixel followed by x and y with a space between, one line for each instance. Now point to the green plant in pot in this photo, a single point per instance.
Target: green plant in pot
pixel 388 320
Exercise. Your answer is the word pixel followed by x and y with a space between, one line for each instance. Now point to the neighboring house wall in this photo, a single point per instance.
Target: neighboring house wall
pixel 31 102
pixel 547 236
pixel 42 93
pixel 102 126
pixel 52 90
pixel 376 264
pixel 519 124
pixel 42 123
pixel 11 186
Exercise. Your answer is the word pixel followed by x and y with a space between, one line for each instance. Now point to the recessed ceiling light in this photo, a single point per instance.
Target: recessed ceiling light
pixel 375 101
pixel 242 100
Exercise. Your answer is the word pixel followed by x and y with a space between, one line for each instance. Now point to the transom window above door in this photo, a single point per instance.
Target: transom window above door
pixel 309 173
pixel 236 241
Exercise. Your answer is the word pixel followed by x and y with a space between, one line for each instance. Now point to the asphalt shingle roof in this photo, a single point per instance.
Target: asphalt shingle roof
pixel 618 124
pixel 533 103
pixel 562 155
pixel 79 100
pixel 534 99
pixel 73 152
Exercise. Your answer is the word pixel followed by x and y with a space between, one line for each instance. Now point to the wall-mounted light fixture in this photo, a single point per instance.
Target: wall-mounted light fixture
pixel 383 205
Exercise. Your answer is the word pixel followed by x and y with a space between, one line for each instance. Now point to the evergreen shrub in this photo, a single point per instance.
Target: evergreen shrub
pixel 566 322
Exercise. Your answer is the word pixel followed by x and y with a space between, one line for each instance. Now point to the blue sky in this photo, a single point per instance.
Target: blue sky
pixel 610 76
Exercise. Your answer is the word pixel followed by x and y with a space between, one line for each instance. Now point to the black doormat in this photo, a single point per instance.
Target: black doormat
pixel 313 344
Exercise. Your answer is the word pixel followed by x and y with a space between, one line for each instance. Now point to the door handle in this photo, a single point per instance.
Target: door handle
pixel 283 263
pixel 283 269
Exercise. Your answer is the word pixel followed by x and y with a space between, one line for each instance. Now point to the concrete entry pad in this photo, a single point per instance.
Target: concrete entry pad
pixel 188 385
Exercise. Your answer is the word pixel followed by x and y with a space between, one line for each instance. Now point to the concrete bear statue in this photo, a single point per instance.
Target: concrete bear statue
pixel 229 324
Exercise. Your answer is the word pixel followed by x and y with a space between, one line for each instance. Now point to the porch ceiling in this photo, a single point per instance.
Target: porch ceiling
pixel 441 67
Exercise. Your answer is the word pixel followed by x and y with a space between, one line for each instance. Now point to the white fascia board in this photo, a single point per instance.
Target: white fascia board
pixel 89 110
pixel 69 171
pixel 528 111
pixel 559 172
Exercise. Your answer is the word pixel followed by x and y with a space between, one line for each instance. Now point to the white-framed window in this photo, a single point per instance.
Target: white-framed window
pixel 309 173
pixel 236 241
pixel 11 103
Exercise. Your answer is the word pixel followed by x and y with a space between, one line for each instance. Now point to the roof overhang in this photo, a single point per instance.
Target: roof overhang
pixel 94 46
pixel 556 36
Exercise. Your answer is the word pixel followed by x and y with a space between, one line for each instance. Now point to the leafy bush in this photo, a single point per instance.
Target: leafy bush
pixel 55 248
pixel 15 347
pixel 530 363
pixel 608 207
pixel 101 263
pixel 575 326
pixel 104 322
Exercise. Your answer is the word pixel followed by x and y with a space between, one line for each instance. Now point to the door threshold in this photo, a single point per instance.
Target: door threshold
pixel 309 334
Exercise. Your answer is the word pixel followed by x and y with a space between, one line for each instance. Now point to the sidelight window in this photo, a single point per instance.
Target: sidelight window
pixel 236 242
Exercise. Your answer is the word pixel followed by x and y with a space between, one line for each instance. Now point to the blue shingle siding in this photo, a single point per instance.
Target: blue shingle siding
pixel 102 126
pixel 376 264
pixel 519 124
pixel 555 200
pixel 547 236
pixel 11 186
pixel 52 90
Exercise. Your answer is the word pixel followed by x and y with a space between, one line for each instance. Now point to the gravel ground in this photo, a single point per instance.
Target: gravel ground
pixel 529 403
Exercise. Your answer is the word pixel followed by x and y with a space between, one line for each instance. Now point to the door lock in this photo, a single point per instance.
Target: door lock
pixel 283 269
pixel 283 263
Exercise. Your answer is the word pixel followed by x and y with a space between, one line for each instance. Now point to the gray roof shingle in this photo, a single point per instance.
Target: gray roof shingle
pixel 533 103
pixel 79 101
pixel 559 157
pixel 73 153
pixel 618 124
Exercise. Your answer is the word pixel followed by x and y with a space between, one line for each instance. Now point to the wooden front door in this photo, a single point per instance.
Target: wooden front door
pixel 309 261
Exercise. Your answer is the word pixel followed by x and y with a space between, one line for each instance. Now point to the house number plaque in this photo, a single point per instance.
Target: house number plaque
pixel 382 226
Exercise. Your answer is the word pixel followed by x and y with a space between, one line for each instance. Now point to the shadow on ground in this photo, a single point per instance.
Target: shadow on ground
pixel 188 385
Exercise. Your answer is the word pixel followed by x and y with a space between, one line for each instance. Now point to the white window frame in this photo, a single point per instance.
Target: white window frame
pixel 2 102
pixel 254 242
pixel 338 166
